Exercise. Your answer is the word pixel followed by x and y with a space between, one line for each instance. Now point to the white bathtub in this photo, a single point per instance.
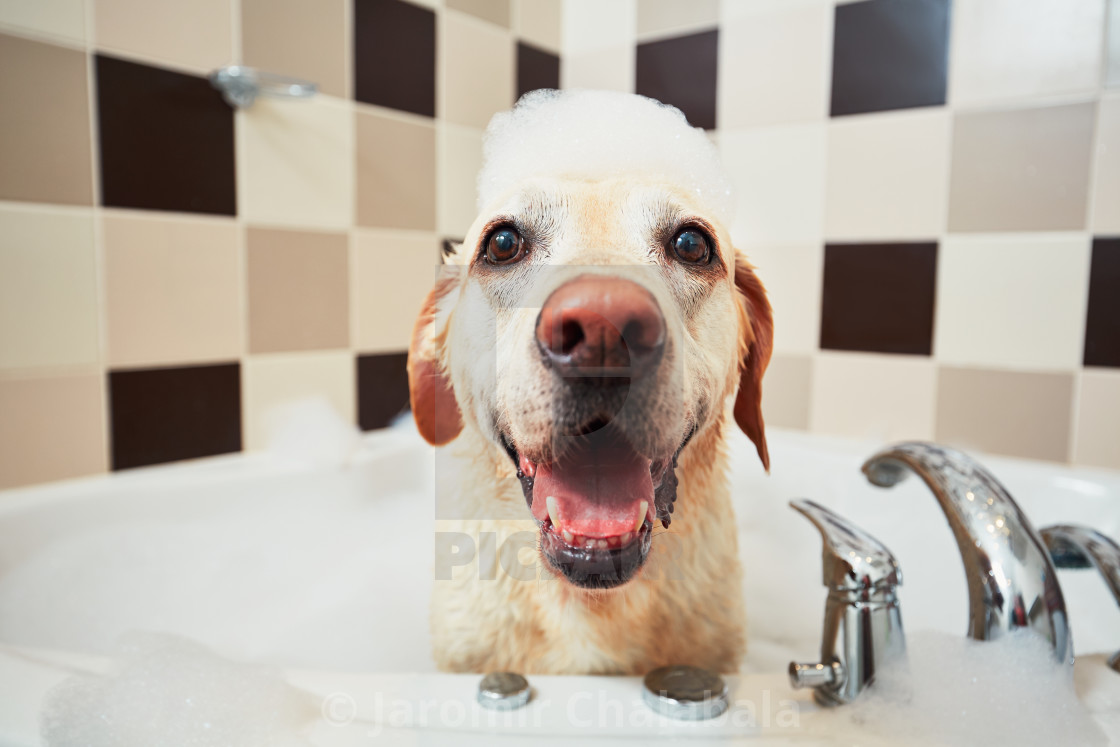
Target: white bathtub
pixel 325 570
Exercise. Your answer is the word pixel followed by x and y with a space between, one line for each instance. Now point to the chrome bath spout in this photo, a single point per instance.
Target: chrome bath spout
pixel 1012 583
pixel 1081 547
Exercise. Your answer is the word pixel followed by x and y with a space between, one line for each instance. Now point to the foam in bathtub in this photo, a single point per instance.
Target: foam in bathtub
pixel 167 691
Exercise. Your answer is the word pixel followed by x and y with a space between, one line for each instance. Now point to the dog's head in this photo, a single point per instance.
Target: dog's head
pixel 595 320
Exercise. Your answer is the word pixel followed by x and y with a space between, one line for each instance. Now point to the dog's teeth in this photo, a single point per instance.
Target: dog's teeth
pixel 603 544
pixel 553 510
pixel 626 537
pixel 589 543
pixel 568 536
pixel 641 516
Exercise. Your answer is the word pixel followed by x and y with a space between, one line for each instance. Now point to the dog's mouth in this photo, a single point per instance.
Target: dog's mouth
pixel 597 504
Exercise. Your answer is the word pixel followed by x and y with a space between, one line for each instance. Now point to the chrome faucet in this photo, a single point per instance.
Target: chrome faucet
pixel 862 620
pixel 1011 581
pixel 1080 547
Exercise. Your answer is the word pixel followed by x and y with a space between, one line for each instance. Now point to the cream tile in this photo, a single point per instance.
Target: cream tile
pixel 1097 442
pixel 1005 49
pixel 786 391
pixel 396 172
pixel 610 69
pixel 888 175
pixel 1112 44
pixel 779 175
pixel 272 381
pixel 64 19
pixel 173 289
pixel 992 305
pixel 477 70
pixel 197 35
pixel 593 24
pixel 494 11
pixel 1106 167
pixel 460 159
pixel 539 22
pixel 880 397
pixel 658 18
pixel 777 67
pixel 1005 412
pixel 297 163
pixel 52 429
pixel 48 288
pixel 304 38
pixel 393 272
pixel 732 9
pixel 1022 169
pixel 792 276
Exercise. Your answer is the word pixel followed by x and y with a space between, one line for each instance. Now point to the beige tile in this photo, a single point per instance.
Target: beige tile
pixel 494 11
pixel 297 163
pixel 1005 412
pixel 1005 49
pixel 52 429
pixel 674 18
pixel 173 289
pixel 396 172
pixel 48 288
pixel 1098 428
pixel 197 35
pixel 299 290
pixel 593 24
pixel 1021 170
pixel 393 272
pixel 272 381
pixel 1106 167
pixel 888 175
pixel 64 19
pixel 786 391
pixel 304 38
pixel 779 176
pixel 477 70
pixel 777 67
pixel 991 309
pixel 609 69
pixel 880 397
pixel 538 22
pixel 792 276
pixel 460 159
pixel 45 151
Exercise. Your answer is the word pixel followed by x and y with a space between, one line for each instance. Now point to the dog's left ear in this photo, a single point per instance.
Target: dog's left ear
pixel 756 342
pixel 434 406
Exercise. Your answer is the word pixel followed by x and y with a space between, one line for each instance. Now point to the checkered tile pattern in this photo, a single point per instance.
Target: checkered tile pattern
pixel 930 188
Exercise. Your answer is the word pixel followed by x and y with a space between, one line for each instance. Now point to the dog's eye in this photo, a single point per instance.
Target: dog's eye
pixel 504 246
pixel 691 246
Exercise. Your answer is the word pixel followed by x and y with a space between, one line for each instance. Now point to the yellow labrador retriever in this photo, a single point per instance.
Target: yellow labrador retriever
pixel 580 358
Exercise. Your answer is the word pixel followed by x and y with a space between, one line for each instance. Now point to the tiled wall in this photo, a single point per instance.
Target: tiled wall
pixel 931 189
pixel 171 268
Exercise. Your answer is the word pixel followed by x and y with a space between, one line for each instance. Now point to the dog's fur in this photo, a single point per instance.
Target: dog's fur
pixel 475 375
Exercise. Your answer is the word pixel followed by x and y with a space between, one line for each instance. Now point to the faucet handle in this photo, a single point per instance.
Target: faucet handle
pixel 852 559
pixel 1074 546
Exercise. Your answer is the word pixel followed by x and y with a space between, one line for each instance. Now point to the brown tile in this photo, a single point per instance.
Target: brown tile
pixel 298 290
pixel 1102 323
pixel 395 55
pixel 1005 412
pixel 166 414
pixel 396 173
pixel 197 34
pixel 1021 170
pixel 786 391
pixel 172 289
pixel 166 140
pixel 682 72
pixel 304 38
pixel 382 389
pixel 1098 427
pixel 494 11
pixel 52 429
pixel 879 298
pixel 536 68
pixel 45 151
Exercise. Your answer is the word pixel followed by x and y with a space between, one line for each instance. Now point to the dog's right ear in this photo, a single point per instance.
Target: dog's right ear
pixel 434 406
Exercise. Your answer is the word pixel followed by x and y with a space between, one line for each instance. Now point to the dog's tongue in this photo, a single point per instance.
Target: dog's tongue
pixel 598 491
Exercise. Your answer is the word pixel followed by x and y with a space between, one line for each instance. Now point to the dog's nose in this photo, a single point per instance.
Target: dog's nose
pixel 602 328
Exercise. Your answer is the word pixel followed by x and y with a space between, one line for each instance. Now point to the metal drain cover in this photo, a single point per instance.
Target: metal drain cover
pixel 686 693
pixel 503 691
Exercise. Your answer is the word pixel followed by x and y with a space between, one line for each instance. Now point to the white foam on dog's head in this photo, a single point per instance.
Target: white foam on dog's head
pixel 601 135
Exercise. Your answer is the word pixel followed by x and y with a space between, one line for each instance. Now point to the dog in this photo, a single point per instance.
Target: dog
pixel 580 359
